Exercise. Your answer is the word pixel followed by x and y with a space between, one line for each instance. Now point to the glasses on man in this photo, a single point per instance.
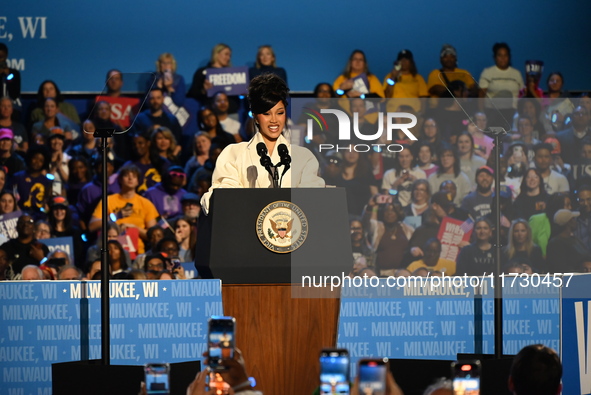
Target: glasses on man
pixel 177 174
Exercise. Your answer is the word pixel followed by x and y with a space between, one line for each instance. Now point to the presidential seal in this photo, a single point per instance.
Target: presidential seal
pixel 282 227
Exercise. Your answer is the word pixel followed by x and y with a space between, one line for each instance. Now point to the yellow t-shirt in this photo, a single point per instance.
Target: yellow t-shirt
pixel 374 83
pixel 457 74
pixel 407 91
pixel 443 265
pixel 143 212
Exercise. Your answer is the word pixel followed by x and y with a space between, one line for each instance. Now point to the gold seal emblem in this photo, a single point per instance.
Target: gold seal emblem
pixel 282 227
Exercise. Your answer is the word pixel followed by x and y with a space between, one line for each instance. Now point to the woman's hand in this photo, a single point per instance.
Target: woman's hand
pixel 391 387
pixel 179 273
pixel 167 80
pixel 416 252
pixel 235 373
pixel 178 235
pixel 199 385
pixel 346 85
pixel 463 244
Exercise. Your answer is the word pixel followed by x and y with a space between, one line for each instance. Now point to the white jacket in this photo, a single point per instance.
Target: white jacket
pixel 238 166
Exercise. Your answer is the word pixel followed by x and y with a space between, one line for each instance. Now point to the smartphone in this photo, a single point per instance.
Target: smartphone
pixel 383 199
pixel 334 371
pixel 157 378
pixel 175 263
pixel 372 376
pixel 466 377
pixel 220 340
pixel 56 263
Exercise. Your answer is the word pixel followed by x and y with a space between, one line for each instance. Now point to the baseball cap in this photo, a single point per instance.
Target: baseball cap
pixel 486 169
pixel 56 132
pixel 448 50
pixel 555 145
pixel 190 197
pixel 334 155
pixel 562 216
pixel 6 133
pixel 405 53
pixel 57 201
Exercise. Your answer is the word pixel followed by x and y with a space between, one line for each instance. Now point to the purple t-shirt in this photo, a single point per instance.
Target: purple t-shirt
pixel 149 175
pixel 90 195
pixel 168 206
pixel 32 191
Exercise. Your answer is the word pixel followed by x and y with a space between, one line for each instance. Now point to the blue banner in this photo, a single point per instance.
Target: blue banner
pixel 45 322
pixel 63 243
pixel 437 318
pixel 232 81
pixel 576 336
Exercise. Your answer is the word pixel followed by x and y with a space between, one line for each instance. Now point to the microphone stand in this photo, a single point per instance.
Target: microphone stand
pixel 275 174
pixel 497 132
pixel 104 135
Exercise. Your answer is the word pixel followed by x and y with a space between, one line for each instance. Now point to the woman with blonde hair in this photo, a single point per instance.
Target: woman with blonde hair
pixel 521 248
pixel 221 56
pixel 266 63
pixel 164 144
pixel 356 66
pixel 171 83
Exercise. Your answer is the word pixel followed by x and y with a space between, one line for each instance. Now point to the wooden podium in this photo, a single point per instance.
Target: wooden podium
pixel 280 336
pixel 280 326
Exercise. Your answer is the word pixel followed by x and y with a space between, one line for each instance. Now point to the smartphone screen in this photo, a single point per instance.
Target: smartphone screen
pixel 372 376
pixel 157 378
pixel 334 371
pixel 466 377
pixel 220 340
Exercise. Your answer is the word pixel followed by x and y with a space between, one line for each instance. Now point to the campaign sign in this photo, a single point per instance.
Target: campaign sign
pixel 64 243
pixel 121 108
pixel 46 322
pixel 361 83
pixel 451 233
pixel 190 271
pixel 576 336
pixel 8 224
pixel 439 317
pixel 232 81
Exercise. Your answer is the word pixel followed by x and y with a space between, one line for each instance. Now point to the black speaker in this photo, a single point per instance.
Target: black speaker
pixel 414 376
pixel 93 378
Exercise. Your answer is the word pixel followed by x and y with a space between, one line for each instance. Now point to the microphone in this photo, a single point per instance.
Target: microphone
pixel 284 155
pixel 266 162
pixel 285 158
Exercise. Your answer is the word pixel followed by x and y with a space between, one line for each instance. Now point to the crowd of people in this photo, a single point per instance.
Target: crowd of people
pixel 51 173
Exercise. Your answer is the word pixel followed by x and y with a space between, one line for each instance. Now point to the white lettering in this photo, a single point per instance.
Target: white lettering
pixel 28 27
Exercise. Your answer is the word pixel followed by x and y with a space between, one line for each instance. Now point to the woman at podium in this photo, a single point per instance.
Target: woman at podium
pixel 268 160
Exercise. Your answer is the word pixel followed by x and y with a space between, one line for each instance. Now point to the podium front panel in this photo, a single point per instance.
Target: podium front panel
pixel 237 256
